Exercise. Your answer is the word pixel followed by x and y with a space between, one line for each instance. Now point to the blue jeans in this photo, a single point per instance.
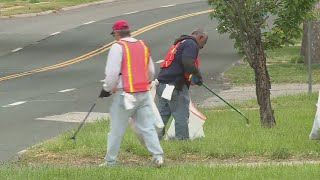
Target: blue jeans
pixel 178 107
pixel 144 119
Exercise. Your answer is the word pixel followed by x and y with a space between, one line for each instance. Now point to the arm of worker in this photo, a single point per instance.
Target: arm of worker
pixel 189 57
pixel 151 69
pixel 113 68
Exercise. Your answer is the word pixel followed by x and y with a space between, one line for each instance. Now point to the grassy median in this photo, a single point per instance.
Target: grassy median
pixel 284 66
pixel 228 141
pixel 227 137
pixel 189 172
pixel 14 7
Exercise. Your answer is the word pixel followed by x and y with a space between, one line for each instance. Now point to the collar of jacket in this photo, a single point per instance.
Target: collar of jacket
pixel 184 37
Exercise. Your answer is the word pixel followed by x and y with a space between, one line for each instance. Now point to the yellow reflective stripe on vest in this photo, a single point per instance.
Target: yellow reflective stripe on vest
pixel 129 66
pixel 146 54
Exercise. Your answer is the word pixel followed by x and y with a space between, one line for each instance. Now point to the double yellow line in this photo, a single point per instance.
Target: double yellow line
pixel 101 49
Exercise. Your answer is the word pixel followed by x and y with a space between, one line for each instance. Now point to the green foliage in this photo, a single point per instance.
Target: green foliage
pixel 246 21
pixel 286 28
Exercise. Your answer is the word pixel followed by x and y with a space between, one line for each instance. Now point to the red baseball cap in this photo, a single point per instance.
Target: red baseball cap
pixel 120 25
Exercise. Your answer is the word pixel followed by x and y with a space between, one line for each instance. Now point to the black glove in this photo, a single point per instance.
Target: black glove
pixel 104 93
pixel 179 84
pixel 197 79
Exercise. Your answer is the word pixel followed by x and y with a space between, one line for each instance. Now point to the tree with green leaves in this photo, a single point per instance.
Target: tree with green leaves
pixel 247 21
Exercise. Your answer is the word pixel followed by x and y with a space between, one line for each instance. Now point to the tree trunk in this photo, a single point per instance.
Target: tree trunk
pixel 315 41
pixel 263 85
pixel 304 43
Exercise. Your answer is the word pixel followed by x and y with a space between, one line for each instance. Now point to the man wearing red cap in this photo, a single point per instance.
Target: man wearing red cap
pixel 129 70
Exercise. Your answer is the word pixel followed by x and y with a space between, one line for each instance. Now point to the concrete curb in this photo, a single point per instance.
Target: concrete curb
pixel 18 156
pixel 86 5
pixel 56 11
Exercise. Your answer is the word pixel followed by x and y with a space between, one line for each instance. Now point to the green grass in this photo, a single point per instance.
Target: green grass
pixel 226 137
pixel 227 140
pixel 280 67
pixel 33 6
pixel 185 172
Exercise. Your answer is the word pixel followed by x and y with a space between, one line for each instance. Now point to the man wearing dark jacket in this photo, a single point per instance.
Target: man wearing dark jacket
pixel 180 69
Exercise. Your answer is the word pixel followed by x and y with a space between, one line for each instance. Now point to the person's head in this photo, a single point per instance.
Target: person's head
pixel 201 37
pixel 120 30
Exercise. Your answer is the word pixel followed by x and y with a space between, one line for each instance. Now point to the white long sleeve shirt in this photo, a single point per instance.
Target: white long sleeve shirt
pixel 113 67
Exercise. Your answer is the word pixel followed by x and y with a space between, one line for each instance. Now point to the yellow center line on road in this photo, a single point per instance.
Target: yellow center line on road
pixel 101 49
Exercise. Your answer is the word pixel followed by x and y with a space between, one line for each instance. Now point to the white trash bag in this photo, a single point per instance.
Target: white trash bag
pixel 196 121
pixel 315 132
pixel 159 123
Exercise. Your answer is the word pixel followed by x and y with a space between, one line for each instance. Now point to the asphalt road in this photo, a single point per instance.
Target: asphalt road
pixel 20 32
pixel 24 99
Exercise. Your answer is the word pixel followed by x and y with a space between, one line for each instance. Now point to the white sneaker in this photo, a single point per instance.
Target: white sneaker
pixel 158 162
pixel 107 164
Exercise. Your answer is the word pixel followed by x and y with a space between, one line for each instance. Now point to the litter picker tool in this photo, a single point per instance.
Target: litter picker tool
pixel 247 120
pixel 75 134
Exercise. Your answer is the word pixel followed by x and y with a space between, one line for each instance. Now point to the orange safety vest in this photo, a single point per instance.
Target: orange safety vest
pixel 135 66
pixel 171 56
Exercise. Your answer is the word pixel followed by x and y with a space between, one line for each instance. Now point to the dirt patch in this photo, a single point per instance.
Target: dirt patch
pixel 130 159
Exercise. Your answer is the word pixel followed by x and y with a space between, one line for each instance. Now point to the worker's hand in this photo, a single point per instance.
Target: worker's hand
pixel 179 84
pixel 197 79
pixel 104 93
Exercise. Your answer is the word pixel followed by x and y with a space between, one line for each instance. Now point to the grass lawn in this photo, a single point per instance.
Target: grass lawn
pixel 227 137
pixel 227 140
pixel 13 7
pixel 184 172
pixel 281 66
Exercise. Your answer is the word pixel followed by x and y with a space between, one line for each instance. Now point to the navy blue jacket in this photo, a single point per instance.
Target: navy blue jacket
pixel 176 71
